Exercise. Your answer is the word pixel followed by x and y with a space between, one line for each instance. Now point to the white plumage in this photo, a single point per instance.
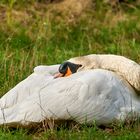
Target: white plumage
pixel 123 66
pixel 87 96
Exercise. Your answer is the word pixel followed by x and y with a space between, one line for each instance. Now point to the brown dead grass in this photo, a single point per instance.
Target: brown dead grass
pixel 111 19
pixel 75 7
pixel 67 9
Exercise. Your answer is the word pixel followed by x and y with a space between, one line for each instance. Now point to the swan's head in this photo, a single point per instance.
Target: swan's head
pixel 67 68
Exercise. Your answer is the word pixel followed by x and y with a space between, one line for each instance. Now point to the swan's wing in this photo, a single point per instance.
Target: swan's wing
pixel 52 69
pixel 50 102
pixel 32 84
pixel 84 97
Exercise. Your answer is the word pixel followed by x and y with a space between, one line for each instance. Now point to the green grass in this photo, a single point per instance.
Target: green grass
pixel 77 132
pixel 31 35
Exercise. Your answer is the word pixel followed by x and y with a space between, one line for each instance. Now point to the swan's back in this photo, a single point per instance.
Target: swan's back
pixel 86 96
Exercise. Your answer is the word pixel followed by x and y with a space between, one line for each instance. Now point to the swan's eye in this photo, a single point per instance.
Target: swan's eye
pixel 79 65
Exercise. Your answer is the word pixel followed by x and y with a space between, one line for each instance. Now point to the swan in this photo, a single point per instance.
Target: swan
pixel 85 96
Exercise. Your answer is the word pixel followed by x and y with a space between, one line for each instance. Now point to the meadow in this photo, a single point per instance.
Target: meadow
pixel 42 32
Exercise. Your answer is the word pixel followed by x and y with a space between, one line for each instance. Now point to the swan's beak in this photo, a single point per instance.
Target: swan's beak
pixel 68 72
pixel 57 75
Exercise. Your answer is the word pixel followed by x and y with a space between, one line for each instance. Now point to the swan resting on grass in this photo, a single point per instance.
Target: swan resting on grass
pixel 88 95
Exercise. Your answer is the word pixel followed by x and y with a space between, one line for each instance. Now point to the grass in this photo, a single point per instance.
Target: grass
pixel 80 132
pixel 33 34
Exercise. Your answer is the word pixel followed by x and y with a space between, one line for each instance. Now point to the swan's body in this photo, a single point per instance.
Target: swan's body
pixel 85 96
pixel 123 66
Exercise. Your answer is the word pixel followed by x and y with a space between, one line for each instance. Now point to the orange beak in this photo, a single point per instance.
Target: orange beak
pixel 68 72
pixel 57 75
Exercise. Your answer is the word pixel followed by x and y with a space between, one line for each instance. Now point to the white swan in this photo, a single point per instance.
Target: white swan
pixel 87 96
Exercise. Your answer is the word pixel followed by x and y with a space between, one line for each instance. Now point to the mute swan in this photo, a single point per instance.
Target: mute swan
pixel 84 96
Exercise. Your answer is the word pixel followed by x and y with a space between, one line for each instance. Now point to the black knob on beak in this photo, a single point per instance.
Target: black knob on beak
pixel 64 67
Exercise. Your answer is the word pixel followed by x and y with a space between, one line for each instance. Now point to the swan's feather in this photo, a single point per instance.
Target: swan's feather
pixel 88 96
pixel 123 66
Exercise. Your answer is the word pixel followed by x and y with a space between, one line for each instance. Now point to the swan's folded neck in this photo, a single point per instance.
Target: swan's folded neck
pixel 124 67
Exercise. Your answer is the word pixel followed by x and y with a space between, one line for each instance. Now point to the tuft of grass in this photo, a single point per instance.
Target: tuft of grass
pixel 19 134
